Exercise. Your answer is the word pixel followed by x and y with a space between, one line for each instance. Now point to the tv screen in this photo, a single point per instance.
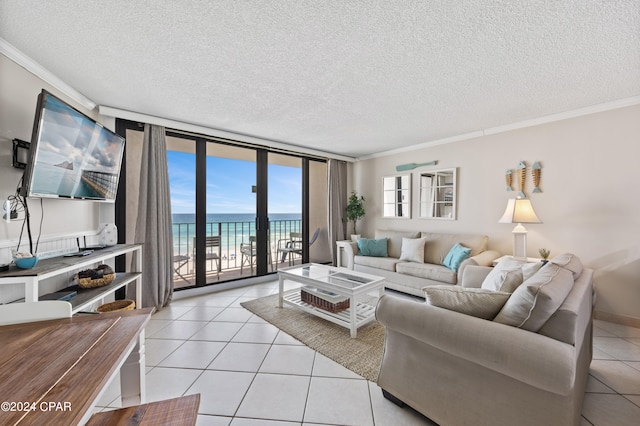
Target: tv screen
pixel 71 156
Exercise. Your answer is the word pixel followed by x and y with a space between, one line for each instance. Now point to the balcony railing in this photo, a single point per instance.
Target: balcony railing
pixel 232 235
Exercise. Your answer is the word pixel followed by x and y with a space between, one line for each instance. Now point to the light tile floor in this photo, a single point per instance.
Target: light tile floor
pixel 250 373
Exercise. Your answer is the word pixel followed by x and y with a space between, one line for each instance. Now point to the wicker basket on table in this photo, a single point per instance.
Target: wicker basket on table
pixel 117 306
pixel 92 278
pixel 307 295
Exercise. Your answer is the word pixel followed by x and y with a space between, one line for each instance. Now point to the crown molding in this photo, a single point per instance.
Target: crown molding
pixel 620 103
pixel 11 52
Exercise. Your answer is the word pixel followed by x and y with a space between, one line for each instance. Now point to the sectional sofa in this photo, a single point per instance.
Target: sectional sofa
pixel 410 276
pixel 526 363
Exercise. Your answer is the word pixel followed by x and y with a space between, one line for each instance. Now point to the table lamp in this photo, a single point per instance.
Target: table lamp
pixel 519 210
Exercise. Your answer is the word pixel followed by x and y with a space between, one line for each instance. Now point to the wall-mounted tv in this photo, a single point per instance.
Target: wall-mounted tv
pixel 71 156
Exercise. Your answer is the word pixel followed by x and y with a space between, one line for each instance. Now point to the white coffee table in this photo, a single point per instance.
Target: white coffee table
pixel 338 281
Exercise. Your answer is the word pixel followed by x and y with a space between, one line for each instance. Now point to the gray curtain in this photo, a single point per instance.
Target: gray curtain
pixel 153 227
pixel 337 228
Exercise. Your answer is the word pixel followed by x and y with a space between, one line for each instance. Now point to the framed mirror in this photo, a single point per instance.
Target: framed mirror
pixel 396 196
pixel 438 194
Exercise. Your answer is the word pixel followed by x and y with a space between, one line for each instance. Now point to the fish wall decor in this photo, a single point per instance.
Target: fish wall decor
pixel 509 179
pixel 536 171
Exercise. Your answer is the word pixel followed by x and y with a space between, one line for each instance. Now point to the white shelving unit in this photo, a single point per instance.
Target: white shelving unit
pixel 56 266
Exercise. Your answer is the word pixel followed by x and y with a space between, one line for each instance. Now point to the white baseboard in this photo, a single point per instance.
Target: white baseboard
pixel 617 318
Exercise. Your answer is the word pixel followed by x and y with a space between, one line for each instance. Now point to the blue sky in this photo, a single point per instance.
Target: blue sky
pixel 229 185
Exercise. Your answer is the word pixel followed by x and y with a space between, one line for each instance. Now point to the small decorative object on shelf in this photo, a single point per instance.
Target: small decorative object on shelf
pixel 92 278
pixel 509 179
pixel 108 234
pixel 536 171
pixel 544 254
pixel 25 260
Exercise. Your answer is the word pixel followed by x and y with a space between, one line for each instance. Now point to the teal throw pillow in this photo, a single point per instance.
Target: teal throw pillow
pixel 455 257
pixel 372 247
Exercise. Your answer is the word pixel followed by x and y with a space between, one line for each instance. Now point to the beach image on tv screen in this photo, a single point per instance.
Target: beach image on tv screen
pixel 75 157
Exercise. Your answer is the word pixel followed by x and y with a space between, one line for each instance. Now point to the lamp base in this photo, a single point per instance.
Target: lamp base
pixel 520 242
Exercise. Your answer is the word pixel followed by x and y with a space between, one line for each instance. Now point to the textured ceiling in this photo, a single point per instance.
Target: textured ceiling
pixel 348 77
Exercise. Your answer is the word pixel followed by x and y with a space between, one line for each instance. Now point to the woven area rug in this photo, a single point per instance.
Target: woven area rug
pixel 361 355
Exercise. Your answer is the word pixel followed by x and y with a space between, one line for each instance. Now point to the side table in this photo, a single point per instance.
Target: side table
pixel 508 256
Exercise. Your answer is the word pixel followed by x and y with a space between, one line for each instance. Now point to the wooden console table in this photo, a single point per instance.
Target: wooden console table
pixel 56 266
pixel 54 372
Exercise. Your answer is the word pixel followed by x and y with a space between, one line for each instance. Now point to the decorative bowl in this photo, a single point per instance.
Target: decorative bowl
pixel 25 262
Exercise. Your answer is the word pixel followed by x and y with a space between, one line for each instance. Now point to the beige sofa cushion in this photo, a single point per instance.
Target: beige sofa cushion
pixel 438 245
pixel 477 302
pixel 573 314
pixel 385 263
pixel 530 268
pixel 427 270
pixel 536 300
pixel 394 245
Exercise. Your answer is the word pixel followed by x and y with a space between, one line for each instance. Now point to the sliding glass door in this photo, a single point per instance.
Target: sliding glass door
pixel 213 204
pixel 231 209
pixel 237 211
pixel 181 162
pixel 285 209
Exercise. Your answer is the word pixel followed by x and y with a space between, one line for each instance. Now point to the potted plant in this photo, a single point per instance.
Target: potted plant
pixel 355 210
pixel 544 254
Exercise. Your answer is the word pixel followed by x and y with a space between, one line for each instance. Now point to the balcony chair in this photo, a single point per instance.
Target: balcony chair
pixel 248 253
pixel 289 246
pixel 180 260
pixel 211 243
pixel 293 245
pixel 15 313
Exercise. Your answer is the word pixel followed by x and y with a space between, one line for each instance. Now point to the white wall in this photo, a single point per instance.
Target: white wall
pixel 589 204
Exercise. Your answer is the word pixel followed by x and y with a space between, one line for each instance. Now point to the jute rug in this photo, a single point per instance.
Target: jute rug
pixel 361 355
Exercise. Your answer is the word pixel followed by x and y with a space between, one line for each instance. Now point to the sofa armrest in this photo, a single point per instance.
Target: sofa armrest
pixel 486 258
pixel 474 275
pixel 350 251
pixel 482 259
pixel 525 356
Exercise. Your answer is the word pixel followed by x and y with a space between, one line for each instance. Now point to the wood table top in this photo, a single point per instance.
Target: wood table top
pixel 52 372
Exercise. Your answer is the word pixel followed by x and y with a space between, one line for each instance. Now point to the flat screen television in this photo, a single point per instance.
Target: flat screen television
pixel 71 156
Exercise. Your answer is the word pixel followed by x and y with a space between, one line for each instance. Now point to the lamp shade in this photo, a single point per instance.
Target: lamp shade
pixel 519 210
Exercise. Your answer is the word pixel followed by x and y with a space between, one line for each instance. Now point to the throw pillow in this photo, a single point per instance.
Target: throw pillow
pixel 506 280
pixel 372 247
pixel 536 299
pixel 476 302
pixel 503 278
pixel 413 249
pixel 455 257
pixel 569 261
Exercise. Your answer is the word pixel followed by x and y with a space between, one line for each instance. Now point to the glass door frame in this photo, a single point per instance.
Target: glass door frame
pixel 262 219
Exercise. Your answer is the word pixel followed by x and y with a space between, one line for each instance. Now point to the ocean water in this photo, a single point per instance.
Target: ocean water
pixel 234 228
